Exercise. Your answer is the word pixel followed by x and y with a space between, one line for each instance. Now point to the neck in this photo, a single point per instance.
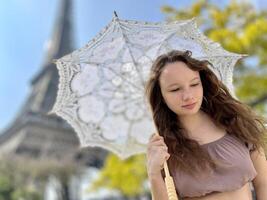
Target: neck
pixel 194 123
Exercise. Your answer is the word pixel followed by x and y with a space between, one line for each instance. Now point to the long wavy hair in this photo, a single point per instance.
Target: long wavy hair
pixel 235 117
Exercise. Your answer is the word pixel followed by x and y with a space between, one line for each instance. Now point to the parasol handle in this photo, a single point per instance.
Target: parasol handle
pixel 169 183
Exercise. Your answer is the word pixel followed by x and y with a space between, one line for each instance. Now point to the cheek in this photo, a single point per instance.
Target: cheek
pixel 198 91
pixel 174 99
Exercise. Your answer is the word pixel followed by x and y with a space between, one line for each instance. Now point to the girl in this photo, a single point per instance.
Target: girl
pixel 213 143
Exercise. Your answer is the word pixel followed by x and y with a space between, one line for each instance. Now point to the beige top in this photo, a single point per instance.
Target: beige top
pixel 234 170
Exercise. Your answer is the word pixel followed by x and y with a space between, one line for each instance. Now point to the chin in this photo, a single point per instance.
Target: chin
pixel 189 112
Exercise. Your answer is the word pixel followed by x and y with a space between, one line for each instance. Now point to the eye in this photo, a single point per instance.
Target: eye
pixel 195 84
pixel 175 90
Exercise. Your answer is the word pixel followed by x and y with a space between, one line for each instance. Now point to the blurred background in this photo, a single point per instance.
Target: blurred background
pixel 40 154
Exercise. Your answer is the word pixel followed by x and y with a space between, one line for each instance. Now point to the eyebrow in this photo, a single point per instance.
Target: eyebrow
pixel 177 84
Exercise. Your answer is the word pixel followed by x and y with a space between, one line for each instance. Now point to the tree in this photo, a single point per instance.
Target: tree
pixel 15 182
pixel 127 176
pixel 23 178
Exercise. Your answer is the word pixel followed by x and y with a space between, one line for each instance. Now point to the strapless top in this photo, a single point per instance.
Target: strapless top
pixel 234 170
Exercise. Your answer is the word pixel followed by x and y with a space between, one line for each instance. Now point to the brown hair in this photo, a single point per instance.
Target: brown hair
pixel 234 116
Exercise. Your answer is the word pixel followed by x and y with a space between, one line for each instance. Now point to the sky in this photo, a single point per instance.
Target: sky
pixel 27 25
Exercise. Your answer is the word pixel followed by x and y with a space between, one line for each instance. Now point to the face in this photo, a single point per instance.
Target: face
pixel 181 86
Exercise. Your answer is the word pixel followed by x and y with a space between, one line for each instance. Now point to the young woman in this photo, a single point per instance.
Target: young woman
pixel 213 143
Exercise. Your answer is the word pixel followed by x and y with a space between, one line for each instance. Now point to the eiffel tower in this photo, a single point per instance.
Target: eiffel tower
pixel 33 133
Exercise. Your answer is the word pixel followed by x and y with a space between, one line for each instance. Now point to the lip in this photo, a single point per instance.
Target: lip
pixel 189 106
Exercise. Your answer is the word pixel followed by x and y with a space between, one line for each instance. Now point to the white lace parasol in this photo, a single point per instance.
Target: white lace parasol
pixel 101 86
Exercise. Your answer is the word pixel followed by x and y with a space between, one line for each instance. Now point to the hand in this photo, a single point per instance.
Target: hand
pixel 157 154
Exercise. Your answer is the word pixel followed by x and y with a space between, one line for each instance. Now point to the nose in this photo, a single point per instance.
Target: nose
pixel 187 95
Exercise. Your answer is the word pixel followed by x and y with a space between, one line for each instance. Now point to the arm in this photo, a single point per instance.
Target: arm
pixel 260 182
pixel 158 188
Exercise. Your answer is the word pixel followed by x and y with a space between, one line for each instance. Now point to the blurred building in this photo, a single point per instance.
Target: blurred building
pixel 34 134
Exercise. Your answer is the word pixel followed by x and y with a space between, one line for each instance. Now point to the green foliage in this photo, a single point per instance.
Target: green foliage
pixel 6 187
pixel 185 13
pixel 13 182
pixel 25 194
pixel 252 86
pixel 127 176
pixel 25 179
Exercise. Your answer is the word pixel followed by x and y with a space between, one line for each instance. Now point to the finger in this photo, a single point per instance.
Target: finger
pixel 161 150
pixel 158 150
pixel 158 143
pixel 165 148
pixel 167 156
pixel 156 137
pixel 152 136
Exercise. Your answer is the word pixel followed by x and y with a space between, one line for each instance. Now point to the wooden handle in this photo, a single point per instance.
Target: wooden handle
pixel 169 184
